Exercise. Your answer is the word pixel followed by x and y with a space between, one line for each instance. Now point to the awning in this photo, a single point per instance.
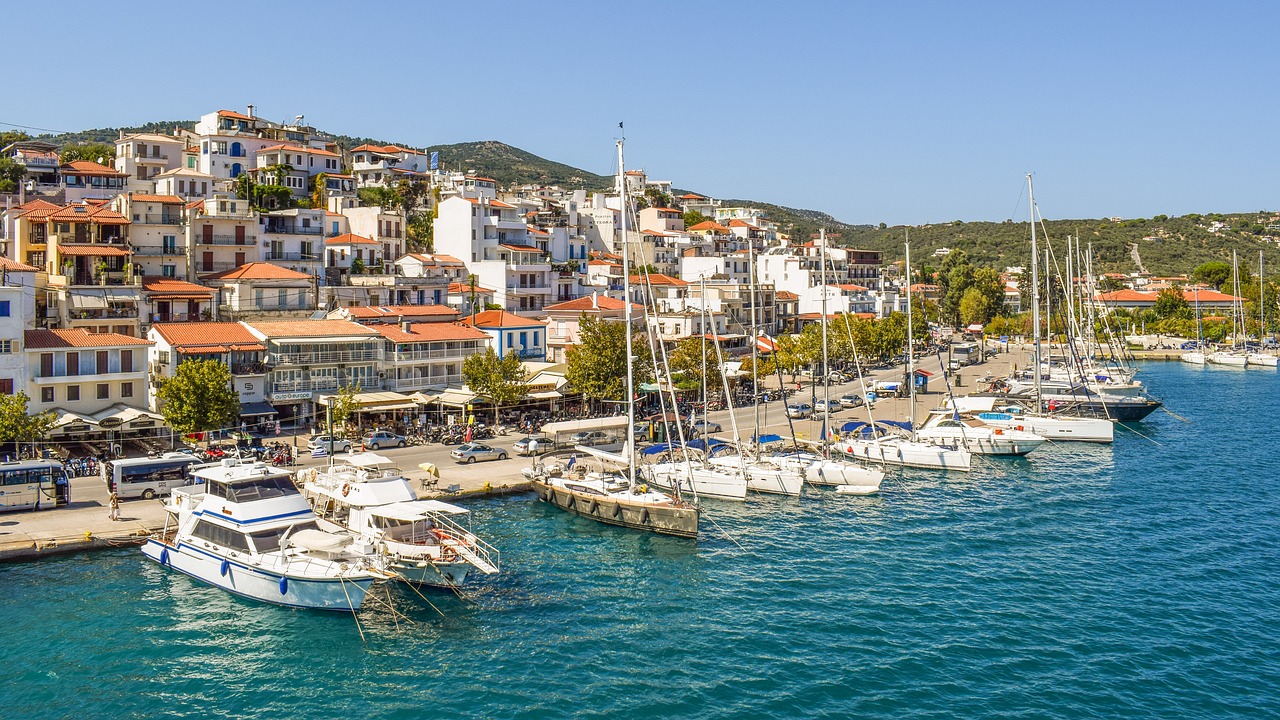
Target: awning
pixel 393 406
pixel 256 409
pixel 92 251
pixel 571 426
pixel 416 510
pixel 548 395
pixel 119 414
pixel 64 418
pixel 87 299
pixel 376 401
pixel 456 398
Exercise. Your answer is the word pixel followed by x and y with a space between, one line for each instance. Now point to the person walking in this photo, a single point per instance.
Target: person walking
pixel 114 500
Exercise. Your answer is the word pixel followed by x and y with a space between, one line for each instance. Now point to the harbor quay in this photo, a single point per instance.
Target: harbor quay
pixel 85 523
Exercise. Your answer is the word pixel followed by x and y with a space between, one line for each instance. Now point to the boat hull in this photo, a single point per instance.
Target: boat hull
pixel 430 573
pixel 699 482
pixel 1262 360
pixel 1009 444
pixel 261 584
pixel 676 520
pixel 919 455
pixel 1193 358
pixel 1230 359
pixel 1061 429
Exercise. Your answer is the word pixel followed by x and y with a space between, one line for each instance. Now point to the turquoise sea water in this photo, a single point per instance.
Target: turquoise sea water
pixel 1140 580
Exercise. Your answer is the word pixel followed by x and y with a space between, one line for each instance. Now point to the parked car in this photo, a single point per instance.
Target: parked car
pixel 382 438
pixel 828 406
pixel 799 410
pixel 472 452
pixel 705 427
pixel 526 445
pixel 331 445
pixel 852 400
pixel 593 437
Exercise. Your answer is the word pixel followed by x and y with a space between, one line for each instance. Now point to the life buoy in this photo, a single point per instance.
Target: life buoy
pixel 1018 428
pixel 999 431
pixel 346 489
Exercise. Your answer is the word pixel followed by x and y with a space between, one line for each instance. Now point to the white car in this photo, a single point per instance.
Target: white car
pixel 330 445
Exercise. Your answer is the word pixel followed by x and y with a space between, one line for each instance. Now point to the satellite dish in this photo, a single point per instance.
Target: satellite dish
pixel 102 160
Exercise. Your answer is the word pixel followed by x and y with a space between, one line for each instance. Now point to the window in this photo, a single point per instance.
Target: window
pixel 73 393
pixel 4 308
pixel 219 535
pixel 6 347
pixel 164 357
pixel 103 362
pixel 73 363
pixel 126 361
pixel 46 395
pixel 104 391
pixel 6 386
pixel 169 271
pixel 126 390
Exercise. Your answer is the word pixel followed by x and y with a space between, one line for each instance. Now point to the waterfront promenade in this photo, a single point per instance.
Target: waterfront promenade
pixel 85 524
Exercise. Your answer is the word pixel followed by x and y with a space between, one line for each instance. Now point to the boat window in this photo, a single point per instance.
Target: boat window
pixel 582 488
pixel 264 488
pixel 220 535
pixel 269 540
pixel 216 489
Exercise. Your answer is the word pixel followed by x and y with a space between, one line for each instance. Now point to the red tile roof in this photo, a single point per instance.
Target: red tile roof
pixel 709 226
pixel 172 288
pixel 692 196
pixel 351 239
pixel 786 295
pixel 1191 296
pixel 602 302
pixel 393 311
pixel 233 114
pixel 386 149
pixel 655 279
pixel 77 338
pixel 429 332
pixel 498 318
pixel 192 336
pixel 742 223
pixel 143 197
pixel 311 328
pixel 436 259
pixel 15 266
pixel 298 148
pixel 521 248
pixel 88 167
pixel 38 209
pixel 87 212
pixel 847 287
pixel 92 251
pixel 465 288
pixel 259 271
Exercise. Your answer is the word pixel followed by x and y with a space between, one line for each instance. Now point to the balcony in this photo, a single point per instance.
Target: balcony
pixel 245 241
pixel 322 357
pixel 293 256
pixel 270 306
pixel 256 368
pixel 113 373
pixel 107 314
pixel 216 267
pixel 178 317
pixel 420 382
pixel 531 353
pixel 535 287
pixel 292 230
pixel 417 355
pixel 161 219
pixel 158 250
pixel 152 158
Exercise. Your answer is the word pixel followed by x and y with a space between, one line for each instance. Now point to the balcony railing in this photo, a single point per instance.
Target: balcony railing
pixel 248 368
pixel 158 250
pixel 271 305
pixel 226 240
pixel 162 219
pixel 177 317
pixel 301 257
pixel 323 356
pixel 161 156
pixel 292 230
pixel 215 267
pixel 528 286
pixel 415 355
pixel 104 314
pixel 528 353
pixel 417 383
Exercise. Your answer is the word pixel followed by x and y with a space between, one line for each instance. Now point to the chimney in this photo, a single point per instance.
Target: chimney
pixel 404 325
pixel 595 300
pixel 250 113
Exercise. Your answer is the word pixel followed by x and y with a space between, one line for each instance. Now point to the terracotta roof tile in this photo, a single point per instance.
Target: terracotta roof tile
pixel 259 271
pixel 88 167
pixel 656 279
pixel 429 332
pixel 15 266
pixel 92 250
pixel 465 288
pixel 76 338
pixel 499 318
pixel 311 328
pixel 175 287
pixel 192 335
pixel 351 239
pixel 521 248
pixel 393 311
pixel 298 148
pixel 602 302
pixel 87 212
pixel 233 114
pixel 142 197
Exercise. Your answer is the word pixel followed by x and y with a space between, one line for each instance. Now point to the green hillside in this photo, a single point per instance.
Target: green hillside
pixel 510 165
pixel 1165 246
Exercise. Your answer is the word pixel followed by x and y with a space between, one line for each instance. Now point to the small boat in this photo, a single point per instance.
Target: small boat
pixel 764 475
pixel 249 531
pixel 1194 357
pixel 949 428
pixel 608 496
pixel 424 542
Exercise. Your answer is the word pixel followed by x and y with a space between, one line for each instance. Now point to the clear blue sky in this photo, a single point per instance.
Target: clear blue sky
pixel 898 112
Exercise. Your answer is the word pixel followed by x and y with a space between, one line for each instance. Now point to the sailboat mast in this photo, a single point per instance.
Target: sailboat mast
pixel 1035 292
pixel 911 359
pixel 626 304
pixel 1262 302
pixel 755 347
pixel 826 369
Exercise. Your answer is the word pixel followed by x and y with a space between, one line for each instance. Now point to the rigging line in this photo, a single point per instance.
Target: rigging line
pixel 424 598
pixel 726 532
pixel 1162 407
pixel 1139 434
pixel 343 584
pixel 32 127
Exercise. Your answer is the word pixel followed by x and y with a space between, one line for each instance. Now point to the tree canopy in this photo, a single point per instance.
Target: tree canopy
pixel 502 380
pixel 17 425
pixel 93 152
pixel 199 397
pixel 343 405
pixel 688 360
pixel 597 364
pixel 1214 273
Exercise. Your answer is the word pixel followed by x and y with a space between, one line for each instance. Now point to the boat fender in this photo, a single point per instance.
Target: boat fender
pixel 346 489
pixel 572 502
pixel 1018 428
pixel 313 475
pixel 617 510
pixel 284 585
pixel 226 568
pixel 644 517
pixel 644 489
pixel 999 431
pixel 164 556
pixel 595 507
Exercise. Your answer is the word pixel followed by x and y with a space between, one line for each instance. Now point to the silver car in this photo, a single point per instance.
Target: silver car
pixel 473 452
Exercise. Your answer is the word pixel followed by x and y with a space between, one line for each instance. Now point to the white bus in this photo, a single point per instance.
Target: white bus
pixel 148 477
pixel 33 485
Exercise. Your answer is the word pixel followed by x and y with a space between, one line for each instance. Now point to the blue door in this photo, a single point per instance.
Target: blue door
pixel 236 169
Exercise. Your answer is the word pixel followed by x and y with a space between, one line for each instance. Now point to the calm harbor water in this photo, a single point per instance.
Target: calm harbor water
pixel 1137 580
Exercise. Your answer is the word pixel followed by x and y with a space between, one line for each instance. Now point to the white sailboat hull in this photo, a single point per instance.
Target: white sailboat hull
pixel 1060 429
pixel 1195 358
pixel 703 482
pixel 1227 358
pixel 983 441
pixel 763 477
pixel 1262 360
pixel 893 451
pixel 823 472
pixel 263 583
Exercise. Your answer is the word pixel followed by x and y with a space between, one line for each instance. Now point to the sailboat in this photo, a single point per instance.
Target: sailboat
pixel 1196 357
pixel 1234 357
pixel 1260 358
pixel 871 443
pixel 602 486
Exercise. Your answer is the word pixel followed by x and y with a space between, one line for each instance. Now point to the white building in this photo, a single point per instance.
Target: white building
pixel 226 342
pixel 386 165
pixel 143 156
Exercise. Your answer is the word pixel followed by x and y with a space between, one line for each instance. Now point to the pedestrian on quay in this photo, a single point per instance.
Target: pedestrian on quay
pixel 114 500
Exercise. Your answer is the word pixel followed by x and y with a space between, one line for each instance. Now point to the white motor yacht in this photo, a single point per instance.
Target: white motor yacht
pixel 950 429
pixel 424 542
pixel 1050 427
pixel 249 531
